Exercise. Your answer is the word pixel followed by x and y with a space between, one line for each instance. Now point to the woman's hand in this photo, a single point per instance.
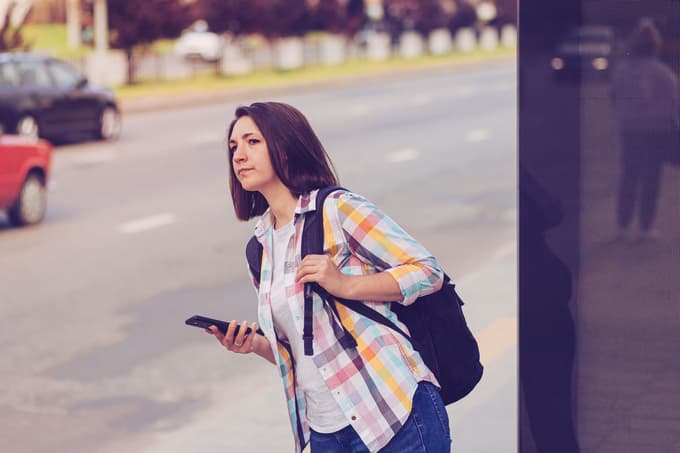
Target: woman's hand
pixel 322 270
pixel 381 286
pixel 242 343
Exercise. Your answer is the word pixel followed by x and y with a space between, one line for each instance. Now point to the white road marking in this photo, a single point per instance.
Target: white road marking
pixel 496 338
pixel 403 155
pixel 477 135
pixel 147 223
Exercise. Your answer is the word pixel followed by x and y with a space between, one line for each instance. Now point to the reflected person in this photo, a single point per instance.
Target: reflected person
pixel 547 338
pixel 645 95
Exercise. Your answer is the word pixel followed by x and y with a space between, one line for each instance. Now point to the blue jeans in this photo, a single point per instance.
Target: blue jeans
pixel 426 430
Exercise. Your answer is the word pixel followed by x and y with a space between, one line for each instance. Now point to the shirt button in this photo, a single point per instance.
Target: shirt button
pixel 354 418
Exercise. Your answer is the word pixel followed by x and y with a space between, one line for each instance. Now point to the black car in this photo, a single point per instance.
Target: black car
pixel 587 52
pixel 44 97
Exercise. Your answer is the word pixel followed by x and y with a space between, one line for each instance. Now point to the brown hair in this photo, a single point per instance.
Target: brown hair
pixel 298 157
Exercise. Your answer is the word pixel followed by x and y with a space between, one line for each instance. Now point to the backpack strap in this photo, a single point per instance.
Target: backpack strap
pixel 254 256
pixel 312 243
pixel 378 317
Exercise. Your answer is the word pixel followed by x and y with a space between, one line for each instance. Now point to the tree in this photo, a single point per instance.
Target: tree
pixel 339 16
pixel 420 15
pixel 11 38
pixel 284 18
pixel 356 16
pixel 329 15
pixel 506 12
pixel 464 16
pixel 429 16
pixel 133 23
pixel 238 17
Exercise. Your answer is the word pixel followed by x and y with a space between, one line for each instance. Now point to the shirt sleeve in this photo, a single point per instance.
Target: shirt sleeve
pixel 378 241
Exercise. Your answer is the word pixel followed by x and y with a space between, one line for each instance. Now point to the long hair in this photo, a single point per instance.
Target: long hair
pixel 298 157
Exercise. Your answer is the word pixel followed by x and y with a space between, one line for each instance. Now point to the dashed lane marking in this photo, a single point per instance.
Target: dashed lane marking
pixel 403 155
pixel 147 223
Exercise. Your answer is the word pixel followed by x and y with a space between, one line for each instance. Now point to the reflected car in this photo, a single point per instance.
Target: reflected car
pixel 48 98
pixel 24 173
pixel 587 52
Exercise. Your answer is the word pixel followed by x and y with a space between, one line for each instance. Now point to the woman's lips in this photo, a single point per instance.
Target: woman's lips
pixel 243 170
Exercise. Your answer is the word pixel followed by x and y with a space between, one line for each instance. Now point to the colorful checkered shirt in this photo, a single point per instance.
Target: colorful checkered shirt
pixel 373 383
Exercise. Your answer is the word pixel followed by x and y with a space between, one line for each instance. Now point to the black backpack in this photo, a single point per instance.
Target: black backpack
pixel 436 322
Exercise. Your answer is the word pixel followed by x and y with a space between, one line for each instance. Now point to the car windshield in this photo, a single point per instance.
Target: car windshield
pixel 9 76
pixel 591 35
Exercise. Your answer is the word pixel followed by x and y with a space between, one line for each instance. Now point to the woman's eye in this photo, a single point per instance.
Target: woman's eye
pixel 253 141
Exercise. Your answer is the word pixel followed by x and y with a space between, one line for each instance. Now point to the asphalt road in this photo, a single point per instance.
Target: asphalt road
pixel 140 234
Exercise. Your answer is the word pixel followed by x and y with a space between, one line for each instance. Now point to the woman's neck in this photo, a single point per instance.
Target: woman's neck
pixel 282 204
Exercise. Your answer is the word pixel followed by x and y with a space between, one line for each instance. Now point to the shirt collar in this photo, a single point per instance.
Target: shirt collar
pixel 306 203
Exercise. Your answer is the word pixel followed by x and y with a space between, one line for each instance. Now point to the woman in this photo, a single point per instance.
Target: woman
pixel 379 395
pixel 647 103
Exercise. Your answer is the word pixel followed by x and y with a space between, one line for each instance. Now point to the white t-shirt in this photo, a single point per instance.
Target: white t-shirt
pixel 323 413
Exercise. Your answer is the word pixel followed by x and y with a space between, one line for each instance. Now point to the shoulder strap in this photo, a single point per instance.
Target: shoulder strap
pixel 312 243
pixel 254 256
pixel 315 240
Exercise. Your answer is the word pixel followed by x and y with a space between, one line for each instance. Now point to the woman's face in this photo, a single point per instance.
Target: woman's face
pixel 250 157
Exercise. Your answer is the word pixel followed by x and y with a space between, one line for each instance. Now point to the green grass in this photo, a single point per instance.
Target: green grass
pixel 51 38
pixel 205 83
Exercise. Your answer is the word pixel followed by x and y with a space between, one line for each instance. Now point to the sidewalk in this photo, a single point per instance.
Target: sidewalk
pixel 627 308
pixel 196 98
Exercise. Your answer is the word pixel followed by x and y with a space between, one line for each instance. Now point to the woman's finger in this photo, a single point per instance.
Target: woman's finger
pixel 228 338
pixel 239 339
pixel 250 338
pixel 305 269
pixel 215 331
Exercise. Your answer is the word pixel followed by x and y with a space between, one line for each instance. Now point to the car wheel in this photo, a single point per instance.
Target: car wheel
pixel 31 205
pixel 28 126
pixel 109 123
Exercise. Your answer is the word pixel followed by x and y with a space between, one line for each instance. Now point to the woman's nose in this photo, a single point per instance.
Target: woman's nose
pixel 239 154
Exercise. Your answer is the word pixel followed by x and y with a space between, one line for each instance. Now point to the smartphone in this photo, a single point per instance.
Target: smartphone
pixel 204 323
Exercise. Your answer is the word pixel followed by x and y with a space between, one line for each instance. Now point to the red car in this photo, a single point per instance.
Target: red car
pixel 24 172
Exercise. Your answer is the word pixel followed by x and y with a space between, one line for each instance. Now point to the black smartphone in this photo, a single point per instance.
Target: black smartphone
pixel 204 323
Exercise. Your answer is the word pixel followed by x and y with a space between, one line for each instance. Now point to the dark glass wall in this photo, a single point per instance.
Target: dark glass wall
pixel 599 267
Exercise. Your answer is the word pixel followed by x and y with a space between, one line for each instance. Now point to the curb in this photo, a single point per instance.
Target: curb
pixel 187 100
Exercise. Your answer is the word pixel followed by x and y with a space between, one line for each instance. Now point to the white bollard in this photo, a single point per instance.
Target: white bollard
pixel 107 68
pixel 466 41
pixel 174 67
pixel 411 44
pixel 440 41
pixel 378 46
pixel 488 39
pixel 234 62
pixel 289 53
pixel 332 49
pixel 509 36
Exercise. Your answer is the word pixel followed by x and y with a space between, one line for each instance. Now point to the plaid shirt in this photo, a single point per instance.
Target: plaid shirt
pixel 374 383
